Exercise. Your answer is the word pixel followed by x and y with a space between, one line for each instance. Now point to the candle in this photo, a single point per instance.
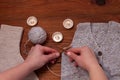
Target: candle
pixel 32 21
pixel 57 36
pixel 68 23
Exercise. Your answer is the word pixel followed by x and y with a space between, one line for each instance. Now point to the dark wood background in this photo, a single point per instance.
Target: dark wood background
pixel 51 14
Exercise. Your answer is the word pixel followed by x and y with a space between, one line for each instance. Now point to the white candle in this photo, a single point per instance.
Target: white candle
pixel 32 21
pixel 68 23
pixel 57 37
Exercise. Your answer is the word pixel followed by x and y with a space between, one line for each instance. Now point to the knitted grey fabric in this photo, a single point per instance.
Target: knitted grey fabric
pixel 10 37
pixel 104 37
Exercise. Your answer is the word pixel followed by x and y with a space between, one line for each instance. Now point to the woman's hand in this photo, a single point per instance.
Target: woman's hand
pixel 86 58
pixel 83 57
pixel 40 55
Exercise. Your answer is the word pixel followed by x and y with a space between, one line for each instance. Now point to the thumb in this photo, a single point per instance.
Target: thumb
pixel 53 56
pixel 72 55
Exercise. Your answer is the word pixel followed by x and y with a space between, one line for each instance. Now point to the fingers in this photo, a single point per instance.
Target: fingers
pixel 72 55
pixel 75 50
pixel 48 52
pixel 75 64
pixel 31 50
pixel 53 61
pixel 73 58
pixel 79 50
pixel 47 49
pixel 52 56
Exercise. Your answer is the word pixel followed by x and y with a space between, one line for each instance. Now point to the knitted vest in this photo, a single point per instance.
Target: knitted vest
pixel 101 37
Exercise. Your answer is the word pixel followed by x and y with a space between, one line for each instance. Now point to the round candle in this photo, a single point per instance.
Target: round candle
pixel 68 23
pixel 32 21
pixel 57 37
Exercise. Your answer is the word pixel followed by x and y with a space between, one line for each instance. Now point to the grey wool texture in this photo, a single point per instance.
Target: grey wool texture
pixel 104 37
pixel 10 37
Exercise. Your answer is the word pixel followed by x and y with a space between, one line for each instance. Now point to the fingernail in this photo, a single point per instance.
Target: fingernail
pixel 68 53
pixel 53 62
pixel 57 54
pixel 76 65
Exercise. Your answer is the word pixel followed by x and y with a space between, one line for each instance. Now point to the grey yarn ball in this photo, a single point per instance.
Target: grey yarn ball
pixel 37 35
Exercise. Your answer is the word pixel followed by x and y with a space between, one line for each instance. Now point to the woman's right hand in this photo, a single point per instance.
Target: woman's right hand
pixel 83 56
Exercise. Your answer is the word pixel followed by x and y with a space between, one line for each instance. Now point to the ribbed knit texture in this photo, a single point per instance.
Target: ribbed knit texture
pixel 10 37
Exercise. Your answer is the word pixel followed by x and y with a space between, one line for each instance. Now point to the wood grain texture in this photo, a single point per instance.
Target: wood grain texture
pixel 51 14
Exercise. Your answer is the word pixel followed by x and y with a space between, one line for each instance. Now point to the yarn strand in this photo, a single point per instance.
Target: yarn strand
pixel 58 75
pixel 25 46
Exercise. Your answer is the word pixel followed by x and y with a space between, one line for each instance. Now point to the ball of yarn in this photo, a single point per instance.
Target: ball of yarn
pixel 37 35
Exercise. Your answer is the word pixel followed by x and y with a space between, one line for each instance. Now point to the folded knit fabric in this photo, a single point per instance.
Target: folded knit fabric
pixel 104 37
pixel 10 37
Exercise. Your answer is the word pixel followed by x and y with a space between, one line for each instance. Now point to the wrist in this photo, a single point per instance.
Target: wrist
pixel 28 66
pixel 94 67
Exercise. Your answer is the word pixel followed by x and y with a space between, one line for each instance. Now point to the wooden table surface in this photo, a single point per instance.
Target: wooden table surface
pixel 51 14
